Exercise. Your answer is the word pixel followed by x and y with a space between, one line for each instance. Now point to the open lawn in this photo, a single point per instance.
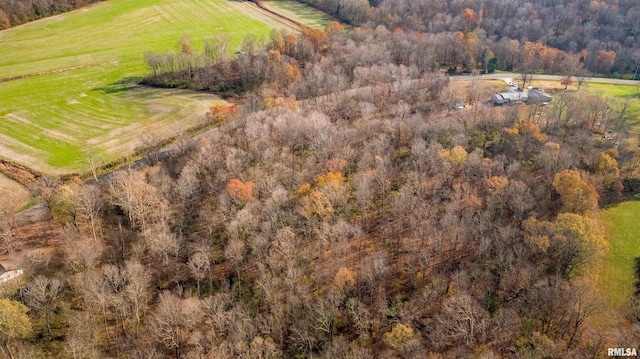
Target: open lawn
pixel 622 228
pixel 301 13
pixel 620 93
pixel 68 83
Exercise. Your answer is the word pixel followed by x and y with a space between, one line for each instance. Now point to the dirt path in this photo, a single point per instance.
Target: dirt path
pixel 7 79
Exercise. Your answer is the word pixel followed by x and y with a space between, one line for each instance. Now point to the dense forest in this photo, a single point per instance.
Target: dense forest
pixel 16 12
pixel 340 209
pixel 605 34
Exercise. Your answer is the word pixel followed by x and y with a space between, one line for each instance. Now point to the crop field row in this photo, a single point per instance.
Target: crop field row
pixel 301 13
pixel 68 83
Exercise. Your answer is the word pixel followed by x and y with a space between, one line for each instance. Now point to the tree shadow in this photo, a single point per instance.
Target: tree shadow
pixel 122 86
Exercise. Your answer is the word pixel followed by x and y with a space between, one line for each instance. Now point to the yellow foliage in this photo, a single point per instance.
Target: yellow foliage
pixel 513 131
pixel 399 335
pixel 613 152
pixel 607 169
pixel 533 130
pixel 315 204
pixel 14 321
pixel 329 178
pixel 584 228
pixel 536 233
pixel 455 156
pixel 497 183
pixel 304 190
pixel 577 195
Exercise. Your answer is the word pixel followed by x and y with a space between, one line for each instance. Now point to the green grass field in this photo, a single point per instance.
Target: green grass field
pixel 79 98
pixel 617 275
pixel 620 93
pixel 301 13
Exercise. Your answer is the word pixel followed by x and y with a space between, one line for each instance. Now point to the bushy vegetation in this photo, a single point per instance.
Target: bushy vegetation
pixel 368 220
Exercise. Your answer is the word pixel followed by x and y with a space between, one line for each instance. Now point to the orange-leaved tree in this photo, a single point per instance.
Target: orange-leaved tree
pixel 218 114
pixel 241 191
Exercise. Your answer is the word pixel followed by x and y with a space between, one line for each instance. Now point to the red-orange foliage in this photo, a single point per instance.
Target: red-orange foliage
pixel 605 60
pixel 333 28
pixel 219 113
pixel 241 191
pixel 317 37
pixel 290 42
pixel 293 72
pixel 469 16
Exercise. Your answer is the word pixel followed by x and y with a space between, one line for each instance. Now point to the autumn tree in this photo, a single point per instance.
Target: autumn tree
pixel 313 203
pixel 604 61
pixel 333 28
pixel 317 37
pixel 576 194
pixel 399 335
pixel 219 114
pixel 4 20
pixel 469 18
pixel 14 324
pixel 607 169
pixel 241 191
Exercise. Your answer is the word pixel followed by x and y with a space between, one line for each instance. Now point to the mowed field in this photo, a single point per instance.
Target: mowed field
pixel 68 84
pixel 617 276
pixel 301 13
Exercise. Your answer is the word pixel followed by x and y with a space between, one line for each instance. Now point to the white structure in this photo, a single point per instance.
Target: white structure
pixel 531 95
pixel 7 276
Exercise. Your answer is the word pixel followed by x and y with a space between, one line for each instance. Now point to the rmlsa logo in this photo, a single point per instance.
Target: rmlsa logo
pixel 622 352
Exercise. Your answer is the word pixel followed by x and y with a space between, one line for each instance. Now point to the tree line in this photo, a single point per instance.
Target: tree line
pixel 318 63
pixel 17 12
pixel 587 28
pixel 368 220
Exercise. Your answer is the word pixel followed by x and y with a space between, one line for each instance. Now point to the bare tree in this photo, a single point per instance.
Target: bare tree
pixel 88 201
pixel 199 265
pixel 42 294
pixel 174 322
pixel 8 221
pixel 137 198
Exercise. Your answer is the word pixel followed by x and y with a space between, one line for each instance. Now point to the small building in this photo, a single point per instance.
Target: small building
pixel 532 95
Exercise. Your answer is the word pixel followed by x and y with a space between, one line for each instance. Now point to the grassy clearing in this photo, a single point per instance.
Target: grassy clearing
pixel 620 93
pixel 79 98
pixel 301 13
pixel 617 275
